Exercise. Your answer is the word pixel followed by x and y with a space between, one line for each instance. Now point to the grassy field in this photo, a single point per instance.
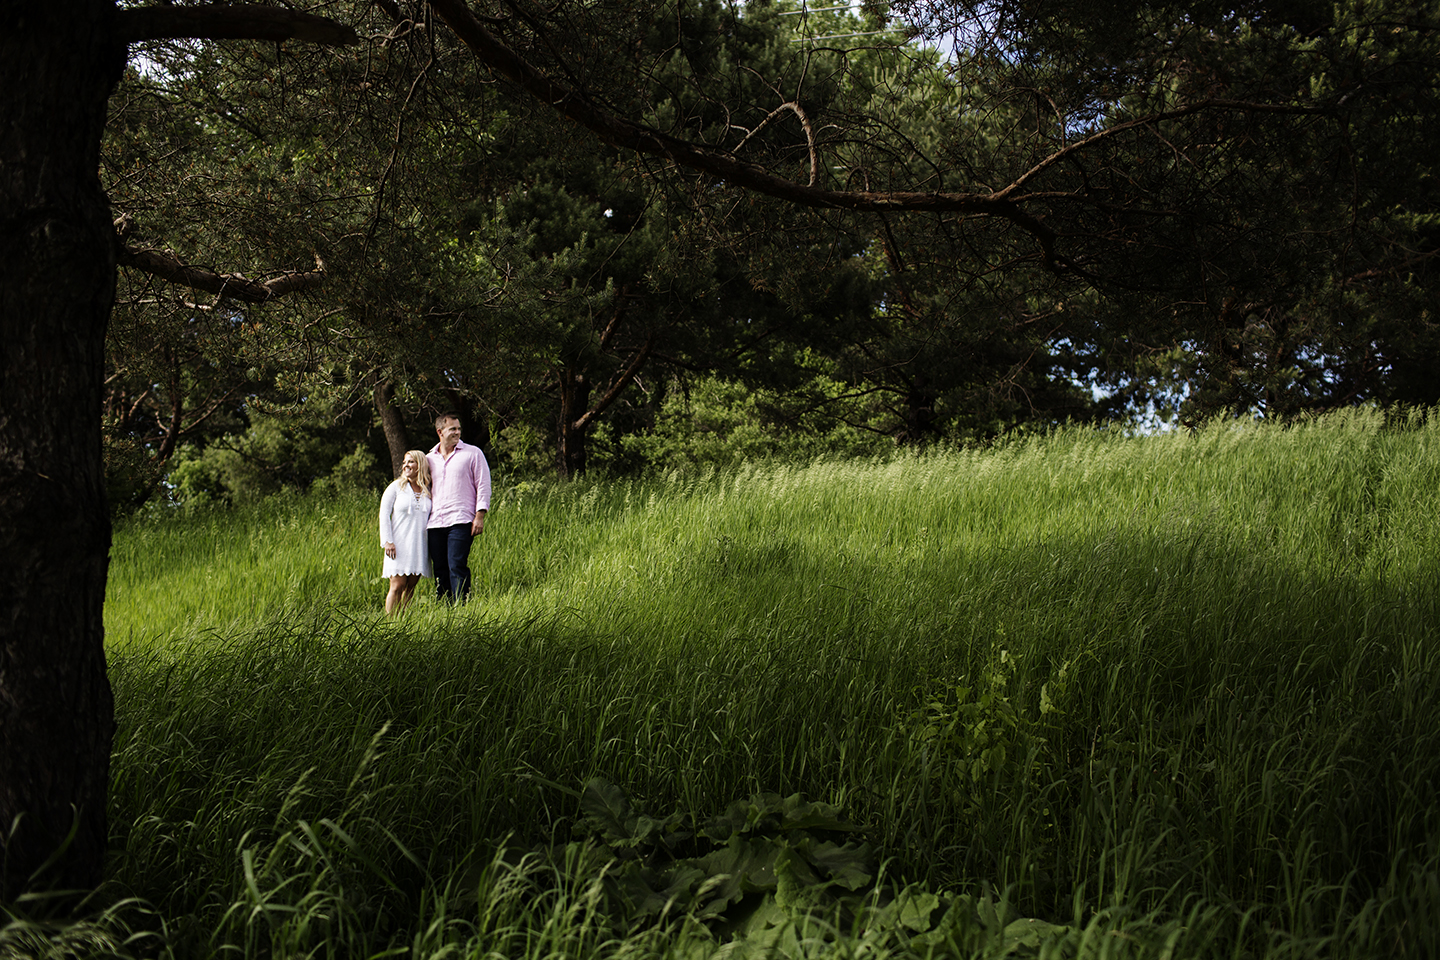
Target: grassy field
pixel 1081 695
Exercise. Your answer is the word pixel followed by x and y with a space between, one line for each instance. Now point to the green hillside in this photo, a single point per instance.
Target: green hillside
pixel 1079 695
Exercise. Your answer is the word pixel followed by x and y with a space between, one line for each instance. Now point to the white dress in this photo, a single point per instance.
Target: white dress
pixel 403 516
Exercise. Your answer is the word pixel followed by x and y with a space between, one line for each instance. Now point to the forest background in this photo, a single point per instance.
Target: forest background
pixel 1193 209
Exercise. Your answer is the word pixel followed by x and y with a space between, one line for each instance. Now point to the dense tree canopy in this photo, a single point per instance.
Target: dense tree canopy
pixel 1037 213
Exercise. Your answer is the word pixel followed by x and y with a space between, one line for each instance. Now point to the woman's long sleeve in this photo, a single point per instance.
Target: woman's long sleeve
pixel 387 509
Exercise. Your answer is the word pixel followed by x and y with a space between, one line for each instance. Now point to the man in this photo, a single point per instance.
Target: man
pixel 460 487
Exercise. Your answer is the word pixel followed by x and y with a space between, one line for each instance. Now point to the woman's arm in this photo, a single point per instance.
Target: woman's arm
pixel 387 524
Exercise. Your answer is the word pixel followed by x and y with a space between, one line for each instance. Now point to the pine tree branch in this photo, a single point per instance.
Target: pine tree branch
pixel 225 286
pixel 621 382
pixel 627 134
pixel 238 22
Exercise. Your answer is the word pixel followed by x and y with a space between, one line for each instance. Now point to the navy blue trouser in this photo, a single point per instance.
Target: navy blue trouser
pixel 450 555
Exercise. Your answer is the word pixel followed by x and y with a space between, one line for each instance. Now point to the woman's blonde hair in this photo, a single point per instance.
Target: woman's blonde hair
pixel 422 470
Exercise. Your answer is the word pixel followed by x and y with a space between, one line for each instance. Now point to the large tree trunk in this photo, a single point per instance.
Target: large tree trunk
pixel 58 63
pixel 396 439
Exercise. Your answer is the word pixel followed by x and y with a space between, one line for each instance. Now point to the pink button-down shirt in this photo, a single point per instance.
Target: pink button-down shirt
pixel 460 486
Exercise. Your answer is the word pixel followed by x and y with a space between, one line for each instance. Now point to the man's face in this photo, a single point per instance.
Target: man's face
pixel 449 431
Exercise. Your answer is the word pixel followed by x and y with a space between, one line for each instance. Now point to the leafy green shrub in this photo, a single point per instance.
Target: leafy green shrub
pixel 774 876
pixel 723 870
pixel 715 422
pixel 274 454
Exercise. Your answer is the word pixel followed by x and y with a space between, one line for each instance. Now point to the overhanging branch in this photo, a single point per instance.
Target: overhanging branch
pixel 226 286
pixel 1008 203
pixel 238 22
pixel 627 134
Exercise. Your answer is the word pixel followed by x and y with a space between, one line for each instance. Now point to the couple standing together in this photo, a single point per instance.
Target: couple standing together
pixel 434 511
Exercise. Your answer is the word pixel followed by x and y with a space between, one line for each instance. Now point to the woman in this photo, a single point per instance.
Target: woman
pixel 404 512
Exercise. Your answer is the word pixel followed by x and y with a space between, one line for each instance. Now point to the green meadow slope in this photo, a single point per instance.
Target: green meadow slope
pixel 1077 695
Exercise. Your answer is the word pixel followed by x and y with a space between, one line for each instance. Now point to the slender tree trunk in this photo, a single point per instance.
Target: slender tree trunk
pixel 920 411
pixel 573 426
pixel 393 425
pixel 576 414
pixel 177 412
pixel 58 63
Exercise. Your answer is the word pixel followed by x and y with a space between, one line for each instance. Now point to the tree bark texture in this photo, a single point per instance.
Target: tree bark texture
pixel 224 285
pixel 393 424
pixel 573 425
pixel 59 61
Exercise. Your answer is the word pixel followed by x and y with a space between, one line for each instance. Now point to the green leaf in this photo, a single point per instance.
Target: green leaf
pixel 987 913
pixel 960 912
pixel 606 807
pixel 650 893
pixel 847 865
pixel 767 915
pixel 1029 934
pixel 913 908
pixel 798 888
pixel 797 814
pixel 746 867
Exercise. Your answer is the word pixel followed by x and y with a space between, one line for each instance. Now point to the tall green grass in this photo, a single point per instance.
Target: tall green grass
pixel 1174 693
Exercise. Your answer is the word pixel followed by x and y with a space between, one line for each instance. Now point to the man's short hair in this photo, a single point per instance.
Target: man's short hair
pixel 448 415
